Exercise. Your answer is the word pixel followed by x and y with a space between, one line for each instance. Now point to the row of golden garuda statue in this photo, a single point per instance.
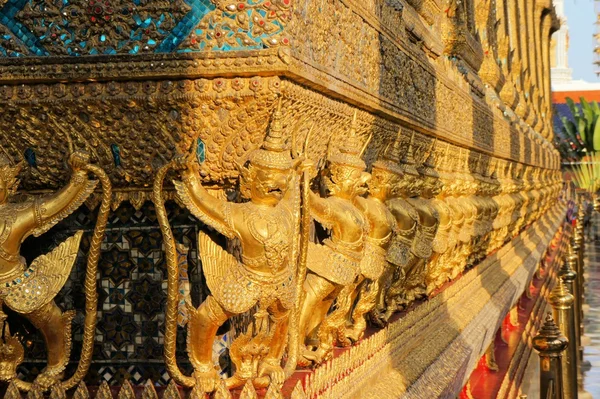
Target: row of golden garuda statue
pixel 322 253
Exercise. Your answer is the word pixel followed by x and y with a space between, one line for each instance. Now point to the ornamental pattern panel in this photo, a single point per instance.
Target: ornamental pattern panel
pixel 110 27
pixel 131 286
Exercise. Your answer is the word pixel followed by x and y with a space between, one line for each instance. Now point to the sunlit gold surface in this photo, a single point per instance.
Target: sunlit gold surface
pixel 388 149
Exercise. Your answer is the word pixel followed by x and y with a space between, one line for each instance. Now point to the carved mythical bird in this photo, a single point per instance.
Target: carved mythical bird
pixel 30 290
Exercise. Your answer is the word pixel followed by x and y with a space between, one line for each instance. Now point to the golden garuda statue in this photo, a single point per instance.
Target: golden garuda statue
pixel 444 256
pixel 415 286
pixel 267 227
pixel 334 264
pixel 30 289
pixel 382 227
pixel 405 251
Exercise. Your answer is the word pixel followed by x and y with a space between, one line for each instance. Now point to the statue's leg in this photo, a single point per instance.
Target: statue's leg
pixel 55 327
pixel 366 302
pixel 202 329
pixel 360 282
pixel 271 364
pixel 416 286
pixel 396 296
pixel 319 294
pixel 314 308
pixel 385 282
pixel 334 325
pixel 280 319
pixel 434 271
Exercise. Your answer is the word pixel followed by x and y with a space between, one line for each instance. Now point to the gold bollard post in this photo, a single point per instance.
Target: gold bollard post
pixel 576 260
pixel 562 303
pixel 560 298
pixel 570 277
pixel 569 268
pixel 550 344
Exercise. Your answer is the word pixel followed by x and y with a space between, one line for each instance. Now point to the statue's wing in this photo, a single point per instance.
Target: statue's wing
pixel 216 264
pixel 44 278
pixel 185 196
pixel 76 203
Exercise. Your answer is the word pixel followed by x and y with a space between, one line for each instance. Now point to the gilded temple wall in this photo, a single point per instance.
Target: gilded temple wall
pixel 136 83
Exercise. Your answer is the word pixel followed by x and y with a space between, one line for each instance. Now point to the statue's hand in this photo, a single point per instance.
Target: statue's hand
pixel 307 166
pixel 180 162
pixel 78 160
pixel 184 164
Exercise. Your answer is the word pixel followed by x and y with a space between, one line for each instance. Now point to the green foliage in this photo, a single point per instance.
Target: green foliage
pixel 576 139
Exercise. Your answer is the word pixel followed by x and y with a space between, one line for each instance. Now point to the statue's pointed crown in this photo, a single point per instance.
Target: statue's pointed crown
pixel 428 166
pixel 445 164
pixel 407 162
pixel 274 152
pixel 350 152
pixel 388 159
pixel 464 165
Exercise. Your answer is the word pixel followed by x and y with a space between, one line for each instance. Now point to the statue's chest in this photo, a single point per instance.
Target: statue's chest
pixel 272 229
pixel 7 220
pixel 350 213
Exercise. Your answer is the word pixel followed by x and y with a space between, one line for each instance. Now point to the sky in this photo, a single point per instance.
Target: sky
pixel 581 18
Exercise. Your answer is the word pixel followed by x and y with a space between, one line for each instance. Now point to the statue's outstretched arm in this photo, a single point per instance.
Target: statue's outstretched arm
pixel 209 209
pixel 319 206
pixel 51 209
pixel 321 210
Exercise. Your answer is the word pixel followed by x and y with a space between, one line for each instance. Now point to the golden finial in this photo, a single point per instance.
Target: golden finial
pixel 428 166
pixel 81 392
pixel 350 151
pixel 388 160
pixel 149 391
pixel 364 148
pixel 126 391
pixel 407 163
pixel 58 392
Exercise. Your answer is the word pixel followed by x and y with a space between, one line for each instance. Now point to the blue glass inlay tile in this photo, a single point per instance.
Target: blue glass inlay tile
pixel 200 151
pixel 30 158
pixel 116 153
pixel 8 14
pixel 54 30
pixel 199 9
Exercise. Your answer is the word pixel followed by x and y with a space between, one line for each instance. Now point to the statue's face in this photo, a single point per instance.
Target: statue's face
pixel 414 185
pixel 381 183
pixel 362 184
pixel 432 186
pixel 343 181
pixel 268 185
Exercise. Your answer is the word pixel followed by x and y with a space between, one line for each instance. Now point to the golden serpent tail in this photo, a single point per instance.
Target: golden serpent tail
pixel 170 343
pixel 91 295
